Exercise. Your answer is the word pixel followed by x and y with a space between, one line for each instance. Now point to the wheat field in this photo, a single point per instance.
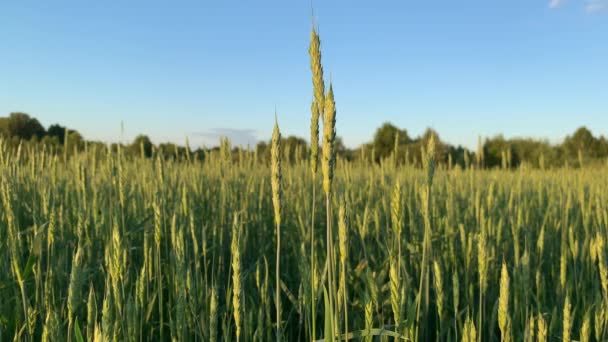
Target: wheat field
pixel 104 247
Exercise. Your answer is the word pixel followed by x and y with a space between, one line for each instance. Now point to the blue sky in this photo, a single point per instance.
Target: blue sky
pixel 204 68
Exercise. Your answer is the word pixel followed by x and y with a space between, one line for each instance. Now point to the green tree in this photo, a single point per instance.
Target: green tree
pixel 536 153
pixel 142 143
pixel 168 150
pixel 414 148
pixel 75 141
pixel 384 140
pixel 56 130
pixel 23 126
pixel 582 140
pixel 494 149
pixel 4 127
pixel 457 153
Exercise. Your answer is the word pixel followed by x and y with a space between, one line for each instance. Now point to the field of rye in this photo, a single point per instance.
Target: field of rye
pixel 101 246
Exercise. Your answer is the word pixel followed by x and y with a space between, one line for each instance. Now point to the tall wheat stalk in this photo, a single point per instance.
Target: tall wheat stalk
pixel 395 285
pixel 237 291
pixel 213 315
pixel 316 109
pixel 567 320
pixel 456 298
pixel 158 235
pixel 469 333
pixel 74 289
pixel 541 336
pixel 397 222
pixel 276 201
pixel 429 166
pixel 328 165
pixel 343 246
pixel 503 306
pixel 439 294
pixel 482 268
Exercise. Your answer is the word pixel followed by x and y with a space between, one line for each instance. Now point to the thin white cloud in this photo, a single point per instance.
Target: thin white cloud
pixel 594 6
pixel 590 6
pixel 237 137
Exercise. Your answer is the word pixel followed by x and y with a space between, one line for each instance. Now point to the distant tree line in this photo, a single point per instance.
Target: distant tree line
pixel 577 149
pixel 20 128
pixel 389 144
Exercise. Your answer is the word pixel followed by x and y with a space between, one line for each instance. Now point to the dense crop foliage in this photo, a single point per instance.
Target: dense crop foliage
pixel 113 248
